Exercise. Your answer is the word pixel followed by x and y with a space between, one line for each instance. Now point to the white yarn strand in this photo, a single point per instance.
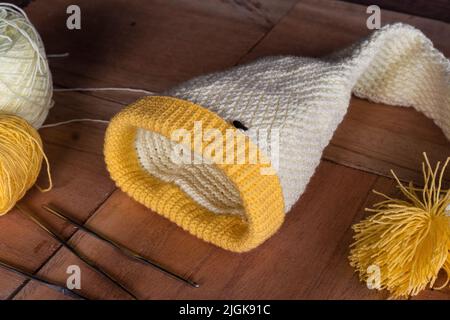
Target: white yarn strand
pixel 52 125
pixel 134 90
pixel 58 55
pixel 26 87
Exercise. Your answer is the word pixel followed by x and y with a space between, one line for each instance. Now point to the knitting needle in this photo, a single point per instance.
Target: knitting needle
pixel 69 247
pixel 131 254
pixel 54 286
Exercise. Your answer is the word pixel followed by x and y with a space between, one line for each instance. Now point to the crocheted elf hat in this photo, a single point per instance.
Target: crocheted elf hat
pixel 290 105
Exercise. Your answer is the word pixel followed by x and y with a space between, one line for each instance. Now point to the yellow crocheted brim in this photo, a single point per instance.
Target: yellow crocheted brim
pixel 261 194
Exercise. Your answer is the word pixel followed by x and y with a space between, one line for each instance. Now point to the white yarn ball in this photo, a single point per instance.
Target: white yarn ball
pixel 25 79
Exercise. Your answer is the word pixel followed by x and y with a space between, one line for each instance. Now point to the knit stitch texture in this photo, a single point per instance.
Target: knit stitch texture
pixel 300 100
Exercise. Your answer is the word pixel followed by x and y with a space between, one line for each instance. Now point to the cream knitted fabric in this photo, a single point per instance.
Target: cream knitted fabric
pixel 301 101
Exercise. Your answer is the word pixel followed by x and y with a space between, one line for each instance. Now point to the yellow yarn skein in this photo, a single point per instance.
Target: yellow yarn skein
pixel 21 157
pixel 25 98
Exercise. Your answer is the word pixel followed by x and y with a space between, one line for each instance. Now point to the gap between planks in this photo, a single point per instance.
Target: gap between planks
pixel 59 247
pixel 103 202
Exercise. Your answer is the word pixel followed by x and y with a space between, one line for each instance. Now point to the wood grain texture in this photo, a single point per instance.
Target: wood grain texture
pixel 104 54
pixel 77 166
pixel 154 45
pixel 306 259
pixel 434 9
pixel 151 44
pixel 308 253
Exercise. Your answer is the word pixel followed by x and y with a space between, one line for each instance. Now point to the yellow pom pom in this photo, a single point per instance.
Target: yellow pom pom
pixel 21 157
pixel 408 240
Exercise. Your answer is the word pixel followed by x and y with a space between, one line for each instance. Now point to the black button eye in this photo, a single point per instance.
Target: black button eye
pixel 238 125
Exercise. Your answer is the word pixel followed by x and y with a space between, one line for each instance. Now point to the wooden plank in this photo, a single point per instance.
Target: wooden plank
pixel 443 294
pixel 77 164
pixel 305 259
pixel 154 44
pixel 372 137
pixel 104 54
pixel 103 287
pixel 377 138
pixel 20 3
pixel 318 27
pixel 437 9
pixel 8 283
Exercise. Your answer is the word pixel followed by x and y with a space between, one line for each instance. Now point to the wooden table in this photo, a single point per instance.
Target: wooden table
pixel 155 45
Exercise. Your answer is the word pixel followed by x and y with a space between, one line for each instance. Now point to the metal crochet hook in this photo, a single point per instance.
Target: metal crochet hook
pixel 129 253
pixel 69 247
pixel 54 286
